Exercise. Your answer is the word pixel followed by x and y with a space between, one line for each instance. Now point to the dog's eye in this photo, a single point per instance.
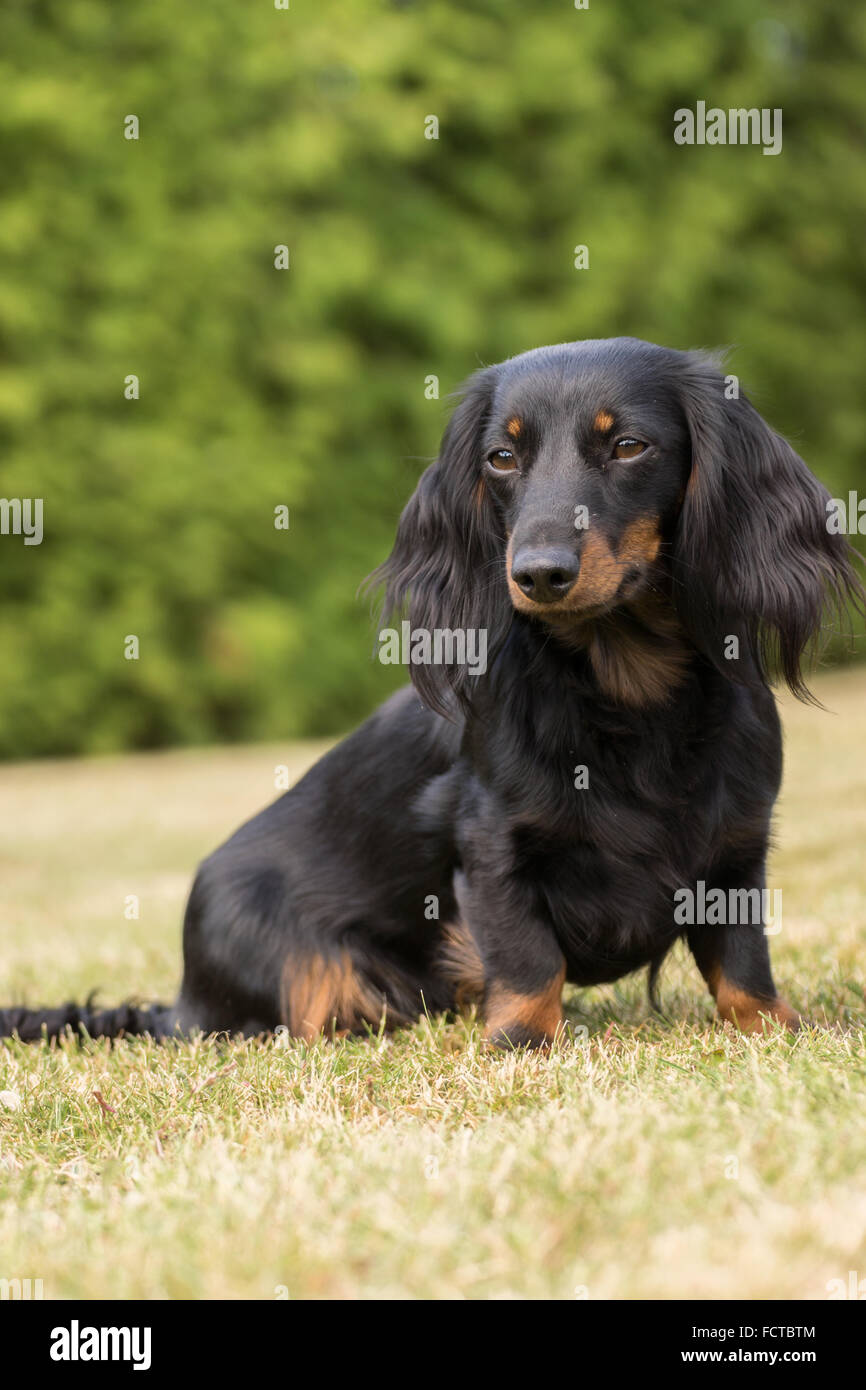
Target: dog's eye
pixel 628 448
pixel 502 460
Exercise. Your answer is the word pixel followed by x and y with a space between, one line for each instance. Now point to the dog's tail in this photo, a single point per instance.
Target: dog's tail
pixel 31 1025
pixel 655 969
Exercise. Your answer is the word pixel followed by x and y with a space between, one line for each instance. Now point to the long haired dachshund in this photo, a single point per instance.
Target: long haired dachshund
pixel 640 553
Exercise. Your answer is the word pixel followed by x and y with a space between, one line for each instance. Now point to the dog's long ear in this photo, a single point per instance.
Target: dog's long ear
pixel 448 557
pixel 753 556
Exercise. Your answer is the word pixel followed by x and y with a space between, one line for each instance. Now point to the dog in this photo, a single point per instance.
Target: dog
pixel 643 554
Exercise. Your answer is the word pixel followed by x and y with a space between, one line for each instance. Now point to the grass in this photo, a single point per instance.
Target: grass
pixel 645 1159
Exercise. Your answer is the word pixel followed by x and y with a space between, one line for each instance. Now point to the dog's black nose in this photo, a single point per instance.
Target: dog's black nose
pixel 545 575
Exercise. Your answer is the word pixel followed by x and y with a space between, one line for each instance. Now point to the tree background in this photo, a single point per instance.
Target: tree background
pixel 409 258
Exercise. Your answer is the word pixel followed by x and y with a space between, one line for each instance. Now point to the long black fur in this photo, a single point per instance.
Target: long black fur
pixel 443 851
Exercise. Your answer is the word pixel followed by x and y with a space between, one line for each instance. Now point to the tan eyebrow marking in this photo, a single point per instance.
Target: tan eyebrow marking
pixel 603 420
pixel 514 426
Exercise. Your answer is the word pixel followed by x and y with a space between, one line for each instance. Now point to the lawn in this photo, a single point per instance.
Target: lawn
pixel 643 1159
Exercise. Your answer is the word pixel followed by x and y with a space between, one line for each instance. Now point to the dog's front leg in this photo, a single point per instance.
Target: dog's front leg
pixel 734 959
pixel 522 965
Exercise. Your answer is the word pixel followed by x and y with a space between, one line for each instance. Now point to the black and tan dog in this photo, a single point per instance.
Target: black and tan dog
pixel 642 552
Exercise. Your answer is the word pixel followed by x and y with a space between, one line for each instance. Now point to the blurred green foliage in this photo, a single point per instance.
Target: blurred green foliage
pixel 410 257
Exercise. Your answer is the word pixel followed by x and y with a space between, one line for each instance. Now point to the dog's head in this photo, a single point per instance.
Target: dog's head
pixel 597 486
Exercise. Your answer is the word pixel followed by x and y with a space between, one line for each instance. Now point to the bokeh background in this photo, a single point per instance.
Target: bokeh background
pixel 410 258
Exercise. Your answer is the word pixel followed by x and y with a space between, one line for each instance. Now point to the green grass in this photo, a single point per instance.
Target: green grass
pixel 643 1159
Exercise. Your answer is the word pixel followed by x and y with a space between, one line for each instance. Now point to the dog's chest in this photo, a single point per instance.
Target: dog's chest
pixel 626 833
